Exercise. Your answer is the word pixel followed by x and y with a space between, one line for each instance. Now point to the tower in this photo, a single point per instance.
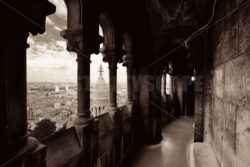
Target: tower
pixel 100 94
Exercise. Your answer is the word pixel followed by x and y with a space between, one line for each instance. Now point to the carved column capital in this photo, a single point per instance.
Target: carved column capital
pixel 112 55
pixel 165 70
pixel 83 57
pixel 77 43
pixel 108 54
pixel 74 37
pixel 128 60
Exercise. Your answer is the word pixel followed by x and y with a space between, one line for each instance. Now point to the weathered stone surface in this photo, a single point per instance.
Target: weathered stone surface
pixel 241 163
pixel 219 51
pixel 228 156
pixel 245 99
pixel 199 132
pixel 231 90
pixel 62 148
pixel 126 120
pixel 208 107
pixel 229 148
pixel 219 81
pixel 144 90
pixel 230 38
pixel 106 130
pixel 244 26
pixel 230 125
pixel 218 126
pixel 237 82
pixel 207 119
pixel 218 35
pixel 233 80
pixel 243 138
pixel 203 155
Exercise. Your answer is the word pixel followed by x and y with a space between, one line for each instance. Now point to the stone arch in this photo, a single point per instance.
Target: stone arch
pixel 128 47
pixel 108 29
pixel 74 18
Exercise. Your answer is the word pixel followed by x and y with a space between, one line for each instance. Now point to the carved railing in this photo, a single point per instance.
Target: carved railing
pixel 115 137
pixel 110 142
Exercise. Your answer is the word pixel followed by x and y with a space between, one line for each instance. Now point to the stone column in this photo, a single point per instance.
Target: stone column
pixel 83 115
pixel 83 120
pixel 17 148
pixel 113 85
pixel 76 43
pixel 199 107
pixel 164 85
pixel 16 93
pixel 164 95
pixel 128 62
pixel 109 56
pixel 156 110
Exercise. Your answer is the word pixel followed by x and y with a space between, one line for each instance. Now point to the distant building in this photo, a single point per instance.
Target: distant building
pixel 57 88
pixel 57 105
pixel 99 95
pixel 66 88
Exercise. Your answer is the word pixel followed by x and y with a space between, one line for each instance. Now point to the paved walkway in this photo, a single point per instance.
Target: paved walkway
pixel 173 151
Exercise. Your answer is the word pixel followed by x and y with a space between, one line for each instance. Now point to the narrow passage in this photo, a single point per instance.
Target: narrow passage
pixel 173 151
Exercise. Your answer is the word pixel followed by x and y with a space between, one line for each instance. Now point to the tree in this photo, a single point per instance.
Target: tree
pixel 43 129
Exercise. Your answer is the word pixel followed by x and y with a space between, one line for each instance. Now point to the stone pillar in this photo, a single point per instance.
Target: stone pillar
pixel 113 85
pixel 83 115
pixel 83 38
pixel 78 41
pixel 164 85
pixel 15 67
pixel 164 97
pixel 156 108
pixel 109 55
pixel 199 107
pixel 83 120
pixel 17 148
pixel 128 62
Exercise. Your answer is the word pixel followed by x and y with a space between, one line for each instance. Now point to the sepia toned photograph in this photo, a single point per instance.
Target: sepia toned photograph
pixel 125 83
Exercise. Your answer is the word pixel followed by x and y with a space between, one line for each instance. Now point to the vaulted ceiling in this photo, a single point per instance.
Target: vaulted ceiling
pixel 156 26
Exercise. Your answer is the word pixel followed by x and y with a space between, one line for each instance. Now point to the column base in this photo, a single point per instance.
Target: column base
pixel 81 121
pixel 112 110
pixel 130 106
pixel 88 136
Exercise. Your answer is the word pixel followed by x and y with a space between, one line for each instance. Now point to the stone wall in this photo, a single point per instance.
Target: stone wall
pixel 227 118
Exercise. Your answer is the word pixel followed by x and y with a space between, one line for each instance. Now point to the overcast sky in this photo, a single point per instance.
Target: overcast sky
pixel 48 60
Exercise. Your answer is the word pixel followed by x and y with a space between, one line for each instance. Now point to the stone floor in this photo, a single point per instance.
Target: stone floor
pixel 173 151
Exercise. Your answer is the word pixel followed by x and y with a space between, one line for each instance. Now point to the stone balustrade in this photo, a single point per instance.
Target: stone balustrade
pixel 111 141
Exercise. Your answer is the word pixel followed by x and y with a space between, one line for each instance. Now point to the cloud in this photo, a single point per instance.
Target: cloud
pixel 49 61
pixel 47 58
pixel 60 7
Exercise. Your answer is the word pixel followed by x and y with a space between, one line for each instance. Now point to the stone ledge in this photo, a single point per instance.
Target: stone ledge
pixel 202 155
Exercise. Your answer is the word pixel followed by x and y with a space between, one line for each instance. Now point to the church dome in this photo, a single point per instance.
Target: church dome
pixel 100 88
